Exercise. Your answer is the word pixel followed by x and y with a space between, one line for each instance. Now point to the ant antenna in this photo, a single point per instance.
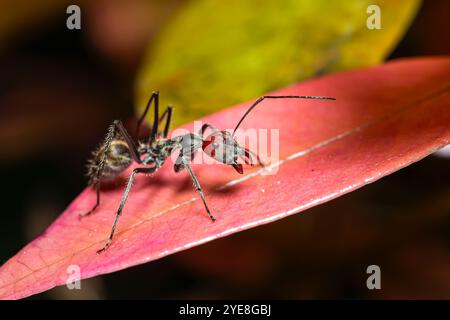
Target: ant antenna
pixel 276 97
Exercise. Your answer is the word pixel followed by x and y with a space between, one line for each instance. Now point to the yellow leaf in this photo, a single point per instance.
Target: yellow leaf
pixel 216 53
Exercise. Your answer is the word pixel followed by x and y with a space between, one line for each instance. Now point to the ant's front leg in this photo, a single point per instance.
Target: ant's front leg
pixel 122 202
pixel 185 164
pixel 249 160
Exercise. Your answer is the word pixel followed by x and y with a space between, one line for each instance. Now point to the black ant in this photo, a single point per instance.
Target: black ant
pixel 119 150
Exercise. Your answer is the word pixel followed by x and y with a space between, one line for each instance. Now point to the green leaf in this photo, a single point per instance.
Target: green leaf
pixel 217 53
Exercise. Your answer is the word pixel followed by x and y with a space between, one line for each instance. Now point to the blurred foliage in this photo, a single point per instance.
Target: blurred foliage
pixel 214 53
pixel 17 17
pixel 118 30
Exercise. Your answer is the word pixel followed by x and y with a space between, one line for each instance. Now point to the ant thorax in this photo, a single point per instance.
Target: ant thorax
pixel 158 151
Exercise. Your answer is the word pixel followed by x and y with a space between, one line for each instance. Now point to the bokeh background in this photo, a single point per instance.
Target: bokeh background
pixel 60 88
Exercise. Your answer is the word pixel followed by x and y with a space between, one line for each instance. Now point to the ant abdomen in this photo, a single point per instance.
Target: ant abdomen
pixel 115 160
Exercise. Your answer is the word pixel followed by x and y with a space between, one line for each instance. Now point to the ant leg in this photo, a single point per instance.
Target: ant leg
pixel 122 202
pixel 249 160
pixel 168 113
pixel 97 202
pixel 117 124
pixel 197 186
pixel 108 139
pixel 153 97
pixel 124 133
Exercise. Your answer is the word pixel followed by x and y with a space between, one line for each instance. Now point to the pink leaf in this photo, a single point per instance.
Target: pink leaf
pixel 384 119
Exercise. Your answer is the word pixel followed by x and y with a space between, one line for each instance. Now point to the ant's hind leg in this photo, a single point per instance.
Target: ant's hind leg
pixel 113 128
pixel 108 139
pixel 131 145
pixel 122 202
pixel 97 202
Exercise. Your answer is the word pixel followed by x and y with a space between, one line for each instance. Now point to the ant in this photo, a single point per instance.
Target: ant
pixel 119 150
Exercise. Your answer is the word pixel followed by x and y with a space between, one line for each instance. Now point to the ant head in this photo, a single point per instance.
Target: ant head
pixel 221 146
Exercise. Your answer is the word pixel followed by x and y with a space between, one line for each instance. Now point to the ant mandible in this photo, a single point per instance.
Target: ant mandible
pixel 119 150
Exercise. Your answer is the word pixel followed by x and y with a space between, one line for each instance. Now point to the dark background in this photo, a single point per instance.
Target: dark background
pixel 58 92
